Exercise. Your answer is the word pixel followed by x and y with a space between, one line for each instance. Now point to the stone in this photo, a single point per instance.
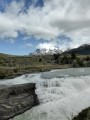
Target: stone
pixel 16 99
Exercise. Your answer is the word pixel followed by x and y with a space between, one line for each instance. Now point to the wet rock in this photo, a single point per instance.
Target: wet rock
pixel 16 99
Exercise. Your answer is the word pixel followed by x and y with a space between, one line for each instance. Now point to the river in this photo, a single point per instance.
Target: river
pixel 62 93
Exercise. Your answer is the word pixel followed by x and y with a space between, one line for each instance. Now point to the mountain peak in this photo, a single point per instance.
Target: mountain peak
pixel 45 51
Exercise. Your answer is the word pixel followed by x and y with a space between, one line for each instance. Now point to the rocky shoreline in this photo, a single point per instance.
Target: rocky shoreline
pixel 16 99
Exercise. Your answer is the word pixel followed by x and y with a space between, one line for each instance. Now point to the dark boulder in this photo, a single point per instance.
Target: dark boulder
pixel 16 99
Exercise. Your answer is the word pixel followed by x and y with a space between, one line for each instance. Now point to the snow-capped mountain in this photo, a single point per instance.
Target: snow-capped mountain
pixel 46 51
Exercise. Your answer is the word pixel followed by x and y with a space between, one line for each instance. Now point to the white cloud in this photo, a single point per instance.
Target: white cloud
pixel 27 45
pixel 47 46
pixel 71 18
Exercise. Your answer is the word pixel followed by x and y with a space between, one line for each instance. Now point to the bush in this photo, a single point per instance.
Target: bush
pixel 73 56
pixel 83 115
pixel 2 75
pixel 16 70
pixel 56 56
pixel 80 62
pixel 40 59
pixel 65 60
pixel 87 58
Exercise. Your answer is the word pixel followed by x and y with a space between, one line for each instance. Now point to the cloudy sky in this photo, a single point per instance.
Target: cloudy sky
pixel 26 25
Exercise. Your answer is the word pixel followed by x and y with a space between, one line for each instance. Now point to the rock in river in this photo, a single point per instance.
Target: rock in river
pixel 16 99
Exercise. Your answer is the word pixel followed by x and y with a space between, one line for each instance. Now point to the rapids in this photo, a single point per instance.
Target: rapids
pixel 62 93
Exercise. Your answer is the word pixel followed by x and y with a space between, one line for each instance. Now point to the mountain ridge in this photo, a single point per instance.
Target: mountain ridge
pixel 82 50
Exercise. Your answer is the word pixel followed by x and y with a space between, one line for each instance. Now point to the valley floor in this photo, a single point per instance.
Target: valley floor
pixel 13 66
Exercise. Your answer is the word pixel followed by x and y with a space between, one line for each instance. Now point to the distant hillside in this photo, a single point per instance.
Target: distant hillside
pixel 5 55
pixel 82 50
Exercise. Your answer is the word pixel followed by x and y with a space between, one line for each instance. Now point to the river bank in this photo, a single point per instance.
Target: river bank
pixel 12 72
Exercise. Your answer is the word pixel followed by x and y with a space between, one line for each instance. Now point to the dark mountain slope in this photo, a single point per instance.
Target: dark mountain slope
pixel 83 50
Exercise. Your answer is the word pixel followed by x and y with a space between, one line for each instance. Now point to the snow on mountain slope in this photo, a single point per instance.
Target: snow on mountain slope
pixel 46 52
pixel 62 93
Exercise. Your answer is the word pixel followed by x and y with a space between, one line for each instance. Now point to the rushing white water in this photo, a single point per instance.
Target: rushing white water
pixel 62 93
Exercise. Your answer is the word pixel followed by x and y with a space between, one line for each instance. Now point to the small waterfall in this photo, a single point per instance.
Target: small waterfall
pixel 61 95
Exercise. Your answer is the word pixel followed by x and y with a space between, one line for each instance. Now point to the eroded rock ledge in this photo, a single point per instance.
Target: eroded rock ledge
pixel 16 99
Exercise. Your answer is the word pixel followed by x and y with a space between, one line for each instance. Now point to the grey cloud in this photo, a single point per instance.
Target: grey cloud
pixel 70 26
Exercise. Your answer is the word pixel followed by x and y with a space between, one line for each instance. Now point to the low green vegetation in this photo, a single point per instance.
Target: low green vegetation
pixel 84 115
pixel 12 66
